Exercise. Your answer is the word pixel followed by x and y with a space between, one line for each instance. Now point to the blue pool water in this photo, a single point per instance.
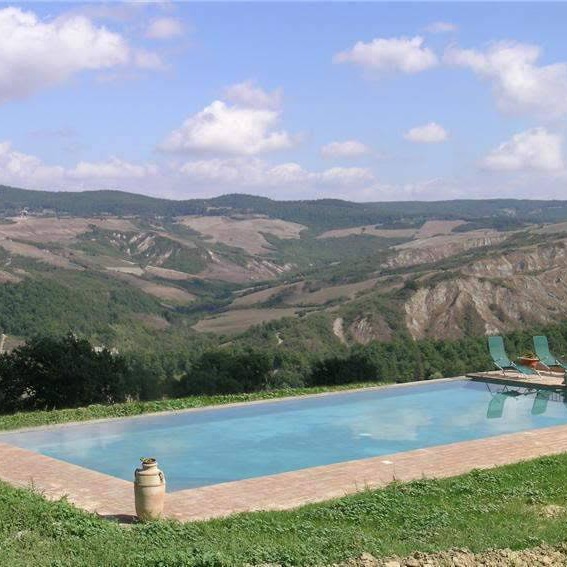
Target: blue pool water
pixel 199 448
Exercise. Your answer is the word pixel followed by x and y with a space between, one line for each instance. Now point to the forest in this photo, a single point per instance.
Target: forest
pixel 53 372
pixel 318 215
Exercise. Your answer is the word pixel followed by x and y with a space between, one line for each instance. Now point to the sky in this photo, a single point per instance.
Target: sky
pixel 359 101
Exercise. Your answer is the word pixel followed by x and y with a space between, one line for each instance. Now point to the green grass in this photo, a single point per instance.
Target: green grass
pixel 484 509
pixel 37 418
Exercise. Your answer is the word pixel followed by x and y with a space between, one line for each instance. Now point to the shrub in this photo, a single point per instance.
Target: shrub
pixel 49 372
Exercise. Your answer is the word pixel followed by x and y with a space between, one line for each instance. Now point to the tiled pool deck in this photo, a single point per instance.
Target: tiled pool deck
pixel 110 496
pixel 546 379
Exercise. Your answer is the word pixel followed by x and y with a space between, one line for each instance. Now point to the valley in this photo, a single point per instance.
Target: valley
pixel 244 266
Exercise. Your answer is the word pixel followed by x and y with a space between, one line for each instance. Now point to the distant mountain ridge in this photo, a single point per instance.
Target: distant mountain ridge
pixel 318 214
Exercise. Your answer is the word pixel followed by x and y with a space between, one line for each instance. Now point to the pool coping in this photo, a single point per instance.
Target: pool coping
pixel 109 496
pixel 213 407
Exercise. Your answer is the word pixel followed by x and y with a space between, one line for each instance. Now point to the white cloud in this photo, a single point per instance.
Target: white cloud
pixel 249 95
pixel 254 172
pixel 430 133
pixel 407 55
pixel 224 129
pixel 19 167
pixel 519 84
pixel 26 170
pixel 346 149
pixel 35 54
pixel 164 28
pixel 441 27
pixel 535 149
pixel 114 168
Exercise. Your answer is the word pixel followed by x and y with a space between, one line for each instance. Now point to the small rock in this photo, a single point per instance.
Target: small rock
pixel 392 564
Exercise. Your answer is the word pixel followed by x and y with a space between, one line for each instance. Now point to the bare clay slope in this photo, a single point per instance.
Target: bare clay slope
pixel 497 293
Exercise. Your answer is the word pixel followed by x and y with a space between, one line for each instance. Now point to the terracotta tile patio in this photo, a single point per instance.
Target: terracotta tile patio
pixel 544 380
pixel 111 496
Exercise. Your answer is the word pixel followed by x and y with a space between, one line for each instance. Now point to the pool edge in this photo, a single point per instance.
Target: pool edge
pixel 113 497
pixel 229 405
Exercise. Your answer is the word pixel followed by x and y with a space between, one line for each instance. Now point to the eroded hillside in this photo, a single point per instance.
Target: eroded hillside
pixel 330 271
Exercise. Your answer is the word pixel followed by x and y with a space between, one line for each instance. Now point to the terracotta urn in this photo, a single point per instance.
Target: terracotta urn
pixel 149 490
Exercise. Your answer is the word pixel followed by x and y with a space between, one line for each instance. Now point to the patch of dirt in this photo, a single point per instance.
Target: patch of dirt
pixel 245 233
pixel 239 320
pixel 370 230
pixel 338 330
pixel 553 511
pixel 538 556
pixel 11 342
pixel 7 277
pixel 154 322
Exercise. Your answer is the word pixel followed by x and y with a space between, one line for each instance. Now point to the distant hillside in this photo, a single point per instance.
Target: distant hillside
pixel 318 215
pixel 142 273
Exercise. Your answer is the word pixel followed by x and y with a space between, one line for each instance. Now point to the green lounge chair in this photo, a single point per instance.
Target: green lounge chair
pixel 501 360
pixel 541 347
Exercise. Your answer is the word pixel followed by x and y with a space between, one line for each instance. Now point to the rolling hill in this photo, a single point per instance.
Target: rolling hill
pixel 137 272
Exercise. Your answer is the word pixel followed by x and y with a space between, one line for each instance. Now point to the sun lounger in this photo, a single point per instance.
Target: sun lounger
pixel 541 347
pixel 501 360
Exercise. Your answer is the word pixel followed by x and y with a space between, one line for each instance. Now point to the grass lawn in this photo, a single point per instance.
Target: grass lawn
pixel 502 507
pixel 37 418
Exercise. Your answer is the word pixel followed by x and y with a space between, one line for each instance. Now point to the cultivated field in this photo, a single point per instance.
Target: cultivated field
pixel 168 274
pixel 300 295
pixel 245 234
pixel 258 296
pixel 370 230
pixel 435 227
pixel 63 230
pixel 168 294
pixel 430 228
pixel 36 253
pixel 236 321
pixel 326 294
pixel 461 238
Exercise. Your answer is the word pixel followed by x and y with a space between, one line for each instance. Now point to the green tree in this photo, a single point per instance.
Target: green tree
pixel 48 373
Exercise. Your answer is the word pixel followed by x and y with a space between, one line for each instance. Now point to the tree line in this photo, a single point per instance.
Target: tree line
pixel 67 371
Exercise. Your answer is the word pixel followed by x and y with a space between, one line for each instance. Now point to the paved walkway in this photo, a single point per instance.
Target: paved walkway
pixel 111 496
pixel 544 380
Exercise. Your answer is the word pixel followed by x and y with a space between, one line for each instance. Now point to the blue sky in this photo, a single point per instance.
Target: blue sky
pixel 363 101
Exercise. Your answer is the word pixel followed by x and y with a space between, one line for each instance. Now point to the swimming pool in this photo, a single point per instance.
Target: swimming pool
pixel 210 446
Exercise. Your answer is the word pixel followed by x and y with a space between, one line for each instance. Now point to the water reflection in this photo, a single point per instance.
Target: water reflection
pixel 537 400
